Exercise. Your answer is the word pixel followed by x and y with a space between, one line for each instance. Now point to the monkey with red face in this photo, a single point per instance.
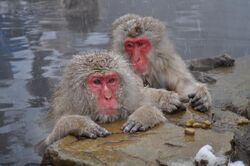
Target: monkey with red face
pixel 99 88
pixel 143 42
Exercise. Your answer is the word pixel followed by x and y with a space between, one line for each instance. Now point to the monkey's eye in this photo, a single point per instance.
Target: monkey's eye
pixel 97 81
pixel 130 45
pixel 112 80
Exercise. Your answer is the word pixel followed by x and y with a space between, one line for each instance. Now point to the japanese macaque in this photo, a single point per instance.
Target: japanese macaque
pixel 144 43
pixel 97 88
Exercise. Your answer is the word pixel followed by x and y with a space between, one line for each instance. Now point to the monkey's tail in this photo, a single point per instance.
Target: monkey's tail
pixel 41 147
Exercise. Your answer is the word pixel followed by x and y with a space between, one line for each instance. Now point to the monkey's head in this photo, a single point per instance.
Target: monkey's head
pixel 100 84
pixel 138 38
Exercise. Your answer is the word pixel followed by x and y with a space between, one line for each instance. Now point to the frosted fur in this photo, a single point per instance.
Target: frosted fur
pixel 74 108
pixel 71 98
pixel 165 67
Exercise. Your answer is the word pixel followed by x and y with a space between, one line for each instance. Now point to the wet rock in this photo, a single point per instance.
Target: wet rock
pixel 206 64
pixel 241 110
pixel 81 15
pixel 241 146
pixel 166 143
pixel 203 77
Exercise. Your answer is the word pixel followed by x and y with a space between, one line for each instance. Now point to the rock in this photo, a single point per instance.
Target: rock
pixel 241 110
pixel 232 86
pixel 206 64
pixel 241 146
pixel 163 144
pixel 203 77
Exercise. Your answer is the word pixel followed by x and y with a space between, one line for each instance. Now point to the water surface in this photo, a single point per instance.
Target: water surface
pixel 38 37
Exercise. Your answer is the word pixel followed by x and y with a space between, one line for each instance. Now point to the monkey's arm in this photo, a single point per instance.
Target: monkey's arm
pixel 143 118
pixel 73 125
pixel 181 81
pixel 167 101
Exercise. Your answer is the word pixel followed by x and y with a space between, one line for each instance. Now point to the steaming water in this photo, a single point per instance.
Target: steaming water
pixel 38 37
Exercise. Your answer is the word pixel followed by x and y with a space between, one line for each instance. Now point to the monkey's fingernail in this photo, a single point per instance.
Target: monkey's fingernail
pixel 107 133
pixel 92 135
pixel 126 129
pixel 194 100
pixel 197 103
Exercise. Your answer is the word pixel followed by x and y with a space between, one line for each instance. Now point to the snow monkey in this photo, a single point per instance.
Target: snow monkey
pixel 144 43
pixel 99 87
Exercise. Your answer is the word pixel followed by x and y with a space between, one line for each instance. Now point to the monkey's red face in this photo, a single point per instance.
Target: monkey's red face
pixel 137 49
pixel 104 87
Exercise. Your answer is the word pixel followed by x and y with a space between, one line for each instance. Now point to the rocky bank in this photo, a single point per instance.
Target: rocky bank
pixel 167 144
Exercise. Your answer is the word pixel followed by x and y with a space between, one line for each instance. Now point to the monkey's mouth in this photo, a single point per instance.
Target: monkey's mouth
pixel 109 111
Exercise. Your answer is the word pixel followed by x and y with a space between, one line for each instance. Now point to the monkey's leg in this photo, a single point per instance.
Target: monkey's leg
pixel 167 101
pixel 76 125
pixel 143 118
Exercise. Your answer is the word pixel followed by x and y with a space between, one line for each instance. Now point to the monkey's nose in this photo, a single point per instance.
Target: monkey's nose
pixel 107 95
pixel 108 98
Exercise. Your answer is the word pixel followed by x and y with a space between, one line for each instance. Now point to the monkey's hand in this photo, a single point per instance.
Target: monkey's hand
pixel 201 99
pixel 143 118
pixel 76 125
pixel 91 130
pixel 167 101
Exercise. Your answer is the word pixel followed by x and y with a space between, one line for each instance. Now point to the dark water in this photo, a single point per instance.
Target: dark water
pixel 38 37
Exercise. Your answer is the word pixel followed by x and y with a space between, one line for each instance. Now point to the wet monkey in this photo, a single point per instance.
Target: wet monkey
pixel 99 87
pixel 144 43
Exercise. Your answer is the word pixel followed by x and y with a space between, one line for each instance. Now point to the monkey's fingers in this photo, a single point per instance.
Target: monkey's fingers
pixel 144 127
pixel 201 108
pixel 88 134
pixel 128 126
pixel 197 102
pixel 195 99
pixel 102 132
pixel 175 107
pixel 181 107
pixel 136 127
pixel 171 108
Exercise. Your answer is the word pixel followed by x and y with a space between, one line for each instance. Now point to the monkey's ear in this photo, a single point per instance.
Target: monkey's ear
pixel 41 147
